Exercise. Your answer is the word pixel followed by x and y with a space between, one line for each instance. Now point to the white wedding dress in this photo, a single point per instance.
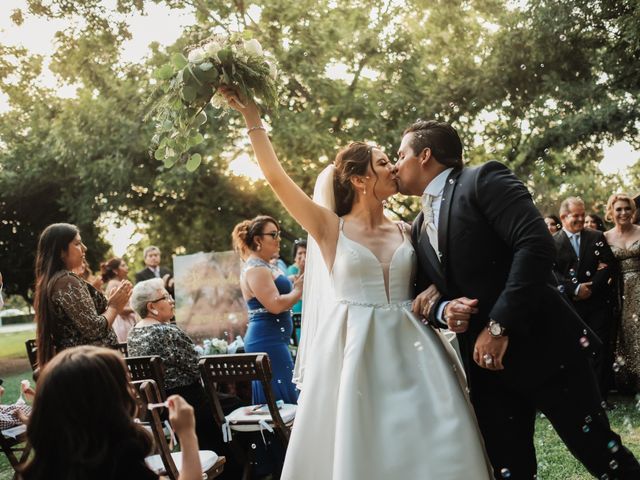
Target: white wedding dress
pixel 383 395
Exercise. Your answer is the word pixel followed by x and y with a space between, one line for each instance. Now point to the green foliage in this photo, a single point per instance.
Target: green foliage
pixel 458 61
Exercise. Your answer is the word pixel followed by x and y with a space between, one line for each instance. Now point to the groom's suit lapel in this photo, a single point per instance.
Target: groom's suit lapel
pixel 432 257
pixel 443 220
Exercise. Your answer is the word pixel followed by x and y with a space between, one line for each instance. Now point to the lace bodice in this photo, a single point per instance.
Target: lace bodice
pixel 358 276
pixel 78 309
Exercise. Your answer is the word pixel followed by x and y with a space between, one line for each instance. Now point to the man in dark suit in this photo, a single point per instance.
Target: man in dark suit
pixel 153 269
pixel 583 274
pixel 483 244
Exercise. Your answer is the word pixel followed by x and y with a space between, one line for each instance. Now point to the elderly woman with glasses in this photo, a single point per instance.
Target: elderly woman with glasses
pixel 270 295
pixel 155 335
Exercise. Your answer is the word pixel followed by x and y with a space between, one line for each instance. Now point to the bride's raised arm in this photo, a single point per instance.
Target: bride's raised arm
pixel 312 217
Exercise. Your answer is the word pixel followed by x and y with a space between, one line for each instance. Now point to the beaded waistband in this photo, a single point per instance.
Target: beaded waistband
pixel 383 306
pixel 255 311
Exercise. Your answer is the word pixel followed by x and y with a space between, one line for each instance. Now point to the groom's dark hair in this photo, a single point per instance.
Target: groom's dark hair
pixel 440 137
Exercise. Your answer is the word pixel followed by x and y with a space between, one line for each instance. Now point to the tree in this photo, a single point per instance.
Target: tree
pixel 538 87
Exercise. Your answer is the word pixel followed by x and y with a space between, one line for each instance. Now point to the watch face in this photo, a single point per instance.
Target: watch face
pixel 495 329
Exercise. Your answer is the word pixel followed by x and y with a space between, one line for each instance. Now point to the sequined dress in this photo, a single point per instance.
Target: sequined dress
pixel 628 342
pixel 381 397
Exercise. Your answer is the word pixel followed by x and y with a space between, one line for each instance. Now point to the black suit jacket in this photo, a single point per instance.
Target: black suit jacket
pixel 495 247
pixel 571 271
pixel 147 274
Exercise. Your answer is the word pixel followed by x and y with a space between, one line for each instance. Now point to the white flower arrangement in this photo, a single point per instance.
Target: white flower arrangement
pixel 217 346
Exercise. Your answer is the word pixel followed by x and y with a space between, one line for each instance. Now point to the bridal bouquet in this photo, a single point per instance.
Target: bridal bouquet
pixel 189 84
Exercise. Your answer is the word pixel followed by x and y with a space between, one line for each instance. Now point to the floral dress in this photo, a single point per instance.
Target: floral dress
pixel 173 346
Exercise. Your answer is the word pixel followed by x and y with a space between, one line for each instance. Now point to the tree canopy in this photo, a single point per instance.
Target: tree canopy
pixel 539 86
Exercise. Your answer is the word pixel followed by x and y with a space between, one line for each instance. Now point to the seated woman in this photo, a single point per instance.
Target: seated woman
pixel 155 335
pixel 270 297
pixel 82 423
pixel 16 413
pixel 70 311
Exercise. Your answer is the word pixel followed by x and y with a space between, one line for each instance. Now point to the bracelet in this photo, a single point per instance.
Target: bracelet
pixel 253 129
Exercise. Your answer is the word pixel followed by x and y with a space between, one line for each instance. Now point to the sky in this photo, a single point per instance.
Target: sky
pixel 162 25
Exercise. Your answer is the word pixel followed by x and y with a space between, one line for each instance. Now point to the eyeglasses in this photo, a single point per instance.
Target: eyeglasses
pixel 166 297
pixel 275 235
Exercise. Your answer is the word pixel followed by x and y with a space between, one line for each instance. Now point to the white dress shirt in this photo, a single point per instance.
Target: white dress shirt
pixel 436 188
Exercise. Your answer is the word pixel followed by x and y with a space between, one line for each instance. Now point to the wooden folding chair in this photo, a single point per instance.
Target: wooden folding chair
pixel 32 353
pixel 123 349
pixel 15 446
pixel 215 369
pixel 147 368
pixel 166 462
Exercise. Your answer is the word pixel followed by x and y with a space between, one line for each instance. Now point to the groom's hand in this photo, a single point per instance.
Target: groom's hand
pixel 425 301
pixel 458 313
pixel 489 351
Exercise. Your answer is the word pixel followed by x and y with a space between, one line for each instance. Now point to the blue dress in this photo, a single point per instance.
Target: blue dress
pixel 270 333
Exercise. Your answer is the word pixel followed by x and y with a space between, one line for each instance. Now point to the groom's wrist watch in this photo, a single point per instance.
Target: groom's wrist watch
pixel 495 329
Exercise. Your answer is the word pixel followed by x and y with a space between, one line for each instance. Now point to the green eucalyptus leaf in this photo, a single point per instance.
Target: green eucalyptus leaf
pixel 194 162
pixel 196 140
pixel 165 72
pixel 210 76
pixel 225 55
pixel 170 162
pixel 179 60
pixel 160 153
pixel 188 93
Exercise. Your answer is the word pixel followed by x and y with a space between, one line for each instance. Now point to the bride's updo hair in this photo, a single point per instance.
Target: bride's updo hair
pixel 350 161
pixel 244 233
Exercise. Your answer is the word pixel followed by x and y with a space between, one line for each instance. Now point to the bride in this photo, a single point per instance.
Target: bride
pixel 381 394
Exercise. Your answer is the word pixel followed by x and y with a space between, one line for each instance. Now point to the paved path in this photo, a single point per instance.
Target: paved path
pixel 18 327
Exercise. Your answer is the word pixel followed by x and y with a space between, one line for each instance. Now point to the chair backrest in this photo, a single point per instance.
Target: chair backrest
pixel 32 352
pixel 150 393
pixel 239 368
pixel 148 368
pixel 15 446
pixel 122 347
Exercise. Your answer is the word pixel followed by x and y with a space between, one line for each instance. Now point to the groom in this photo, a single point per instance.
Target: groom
pixel 480 240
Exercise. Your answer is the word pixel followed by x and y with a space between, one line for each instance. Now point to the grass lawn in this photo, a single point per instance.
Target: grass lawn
pixel 554 460
pixel 12 344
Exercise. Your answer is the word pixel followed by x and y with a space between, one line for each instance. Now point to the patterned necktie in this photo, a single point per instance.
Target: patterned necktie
pixel 575 243
pixel 428 223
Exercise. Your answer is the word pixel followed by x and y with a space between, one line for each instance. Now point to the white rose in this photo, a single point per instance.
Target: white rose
pixel 273 70
pixel 212 49
pixel 197 55
pixel 218 101
pixel 253 47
